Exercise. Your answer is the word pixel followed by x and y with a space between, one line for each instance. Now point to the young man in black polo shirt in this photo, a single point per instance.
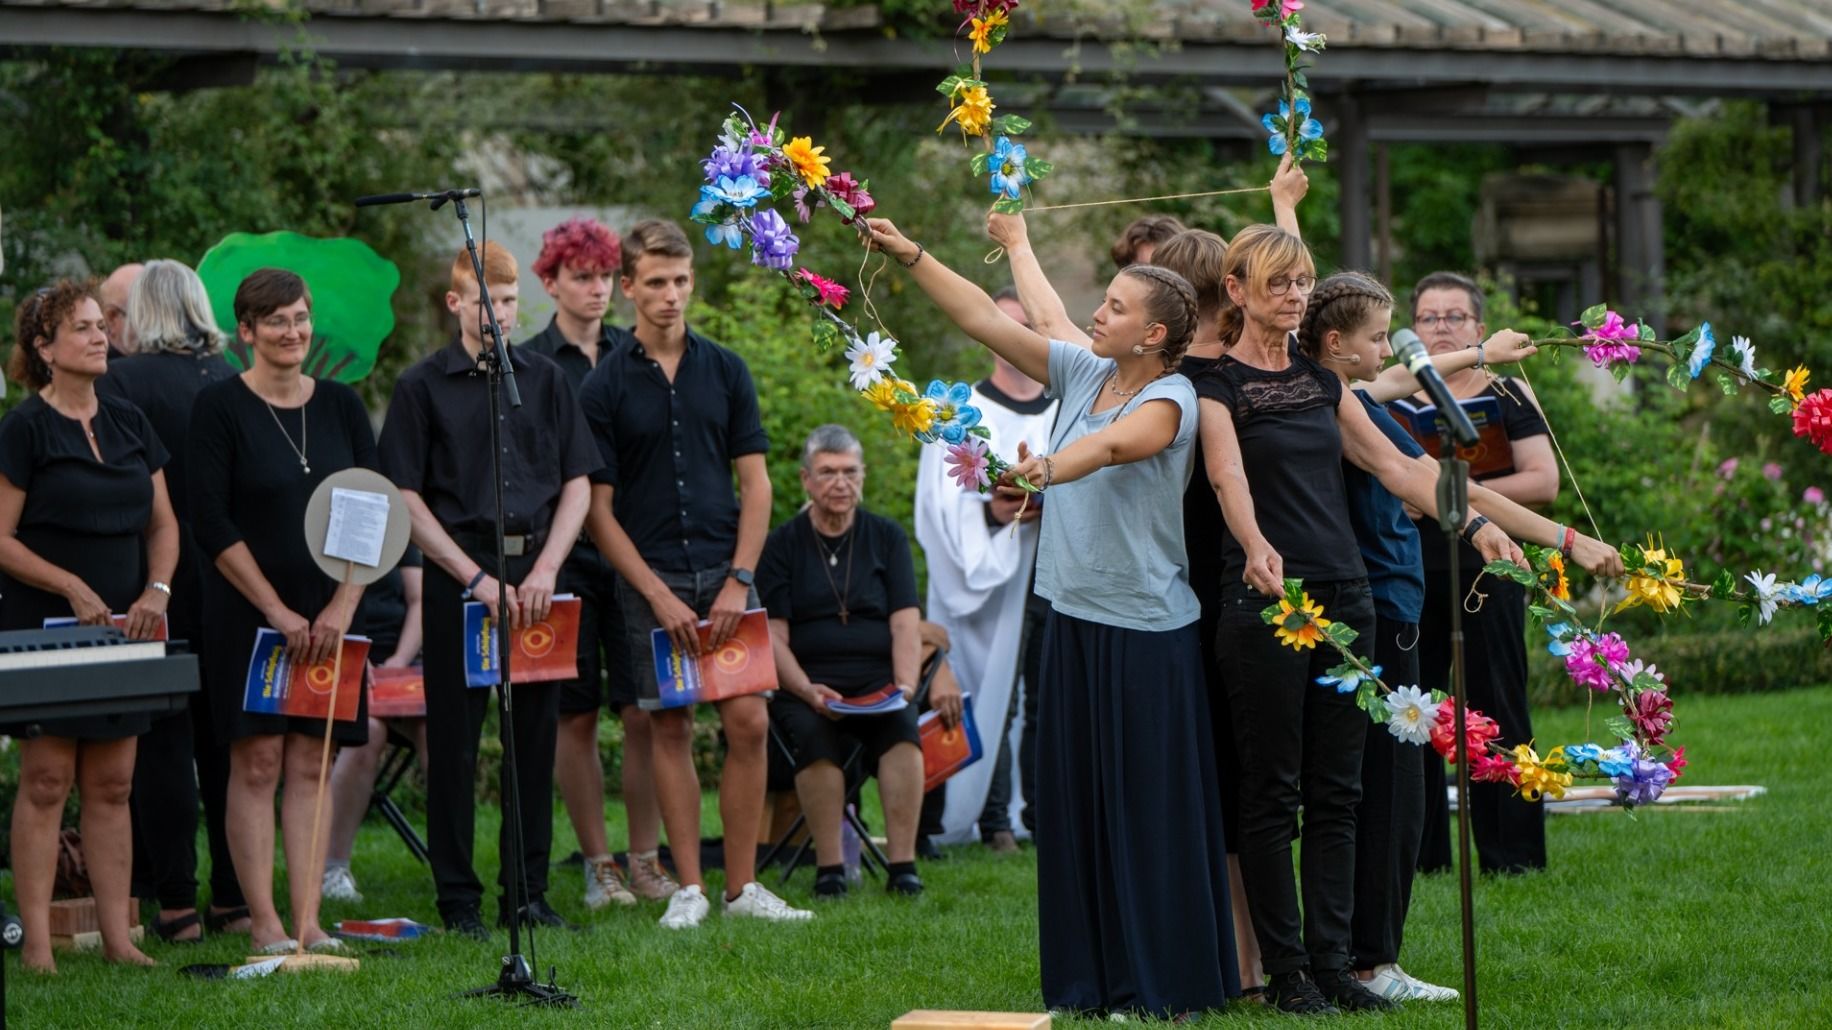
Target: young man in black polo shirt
pixel 578 265
pixel 435 447
pixel 674 415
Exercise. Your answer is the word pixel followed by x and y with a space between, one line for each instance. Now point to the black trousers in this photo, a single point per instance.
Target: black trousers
pixel 996 815
pixel 164 813
pixel 1132 877
pixel 1391 819
pixel 454 721
pixel 1510 833
pixel 1300 746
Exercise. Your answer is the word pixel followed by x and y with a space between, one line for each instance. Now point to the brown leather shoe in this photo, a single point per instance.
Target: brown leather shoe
pixel 1003 843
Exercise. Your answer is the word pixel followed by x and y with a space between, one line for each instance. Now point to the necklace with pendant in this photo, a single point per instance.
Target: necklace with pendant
pixel 299 448
pixel 840 593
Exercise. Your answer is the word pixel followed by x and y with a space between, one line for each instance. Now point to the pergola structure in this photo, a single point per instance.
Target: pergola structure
pixel 1558 80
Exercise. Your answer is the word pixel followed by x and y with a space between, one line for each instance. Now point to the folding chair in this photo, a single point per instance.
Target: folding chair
pixel 395 763
pixel 870 856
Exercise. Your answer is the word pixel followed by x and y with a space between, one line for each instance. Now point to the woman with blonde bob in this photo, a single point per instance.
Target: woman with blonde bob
pixel 1129 920
pixel 178 352
pixel 1276 428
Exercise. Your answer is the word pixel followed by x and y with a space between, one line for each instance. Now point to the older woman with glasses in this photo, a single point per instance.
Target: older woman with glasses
pixel 260 443
pixel 840 586
pixel 178 353
pixel 86 529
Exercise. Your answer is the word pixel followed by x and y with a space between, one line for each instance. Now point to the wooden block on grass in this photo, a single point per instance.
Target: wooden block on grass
pixel 73 916
pixel 89 940
pixel 942 1019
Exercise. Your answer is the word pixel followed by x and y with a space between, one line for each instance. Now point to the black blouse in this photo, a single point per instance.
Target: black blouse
pixel 67 491
pixel 874 574
pixel 1291 448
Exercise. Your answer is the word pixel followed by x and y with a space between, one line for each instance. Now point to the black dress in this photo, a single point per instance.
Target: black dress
pixel 84 516
pixel 247 487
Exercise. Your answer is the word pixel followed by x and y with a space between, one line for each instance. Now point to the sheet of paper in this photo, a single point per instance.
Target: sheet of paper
pixel 358 524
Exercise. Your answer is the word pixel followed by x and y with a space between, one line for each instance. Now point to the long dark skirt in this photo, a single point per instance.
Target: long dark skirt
pixel 1132 875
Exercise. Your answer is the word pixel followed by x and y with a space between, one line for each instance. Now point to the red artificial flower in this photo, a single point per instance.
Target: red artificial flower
pixel 1478 730
pixel 1813 419
pixel 849 190
pixel 1652 714
pixel 832 294
pixel 1494 769
pixel 1678 764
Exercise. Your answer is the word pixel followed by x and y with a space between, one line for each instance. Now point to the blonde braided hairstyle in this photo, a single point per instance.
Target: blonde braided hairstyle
pixel 1342 303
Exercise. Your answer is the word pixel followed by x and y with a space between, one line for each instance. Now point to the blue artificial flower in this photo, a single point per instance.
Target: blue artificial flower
pixel 1350 681
pixel 1309 129
pixel 953 415
pixel 1558 631
pixel 1810 591
pixel 742 192
pixel 1701 351
pixel 772 244
pixel 1617 761
pixel 1007 167
pixel 728 233
pixel 1583 754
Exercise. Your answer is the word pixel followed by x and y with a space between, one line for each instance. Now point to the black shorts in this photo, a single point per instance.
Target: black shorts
pixel 601 635
pixel 812 737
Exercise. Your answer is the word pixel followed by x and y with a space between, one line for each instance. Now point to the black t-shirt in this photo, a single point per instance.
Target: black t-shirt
pixel 45 454
pixel 1520 419
pixel 436 441
pixel 1203 526
pixel 800 582
pixel 668 447
pixel 1291 448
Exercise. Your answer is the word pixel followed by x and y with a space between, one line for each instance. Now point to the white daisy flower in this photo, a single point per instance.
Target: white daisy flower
pixel 870 359
pixel 1410 715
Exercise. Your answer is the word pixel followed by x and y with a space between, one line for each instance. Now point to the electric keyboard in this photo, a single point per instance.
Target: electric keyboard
pixel 76 671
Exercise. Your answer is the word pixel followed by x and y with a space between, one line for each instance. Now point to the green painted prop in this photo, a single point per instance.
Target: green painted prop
pixel 352 290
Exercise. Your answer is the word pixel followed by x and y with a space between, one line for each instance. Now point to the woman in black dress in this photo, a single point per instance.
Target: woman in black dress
pixel 259 444
pixel 86 529
pixel 179 353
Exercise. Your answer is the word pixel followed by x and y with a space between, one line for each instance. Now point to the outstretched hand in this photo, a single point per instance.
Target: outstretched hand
pixel 1008 231
pixel 1506 347
pixel 882 234
pixel 1028 468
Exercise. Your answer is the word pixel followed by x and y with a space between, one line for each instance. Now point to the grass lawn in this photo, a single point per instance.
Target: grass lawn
pixel 1673 919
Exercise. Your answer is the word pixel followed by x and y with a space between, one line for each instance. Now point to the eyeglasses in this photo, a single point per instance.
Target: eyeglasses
pixel 280 323
pixel 1454 320
pixel 1279 284
pixel 853 475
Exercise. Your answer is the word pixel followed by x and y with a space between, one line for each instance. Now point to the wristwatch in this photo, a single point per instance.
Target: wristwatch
pixel 743 576
pixel 164 588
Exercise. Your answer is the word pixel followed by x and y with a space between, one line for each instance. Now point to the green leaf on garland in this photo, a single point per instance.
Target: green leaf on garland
pixel 1619 727
pixel 1724 585
pixel 1295 621
pixel 998 35
pixel 980 431
pixel 979 162
pixel 845 211
pixel 1294 592
pixel 1745 612
pixel 1726 383
pixel 1539 611
pixel 1011 125
pixel 1379 712
pixel 1301 80
pixel 1037 168
pixel 826 334
pixel 1780 405
pixel 1677 377
pixel 1340 634
pixel 1822 621
pixel 1509 570
pixel 1645 332
pixel 1593 316
pixel 1008 205
pixel 1364 691
pixel 1620 371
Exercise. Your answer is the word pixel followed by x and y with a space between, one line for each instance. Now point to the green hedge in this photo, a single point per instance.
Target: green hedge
pixel 1713 662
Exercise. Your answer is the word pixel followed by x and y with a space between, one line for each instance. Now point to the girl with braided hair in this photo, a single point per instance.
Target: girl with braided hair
pixel 1276 429
pixel 1345 330
pixel 1131 870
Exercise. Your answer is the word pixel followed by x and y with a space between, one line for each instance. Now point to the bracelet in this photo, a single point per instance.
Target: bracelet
pixel 911 263
pixel 1570 541
pixel 471 588
pixel 1481 355
pixel 164 588
pixel 1049 472
pixel 1475 526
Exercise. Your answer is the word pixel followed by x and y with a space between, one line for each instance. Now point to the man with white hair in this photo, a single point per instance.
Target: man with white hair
pixel 114 292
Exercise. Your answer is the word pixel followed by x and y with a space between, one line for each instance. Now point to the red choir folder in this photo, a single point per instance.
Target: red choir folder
pixel 276 686
pixel 945 750
pixel 744 664
pixel 545 651
pixel 397 693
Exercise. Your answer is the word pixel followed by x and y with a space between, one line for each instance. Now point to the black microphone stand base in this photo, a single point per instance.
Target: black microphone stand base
pixel 517 983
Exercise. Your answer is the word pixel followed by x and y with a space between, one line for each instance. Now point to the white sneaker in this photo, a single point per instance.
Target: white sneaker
pixel 339 884
pixel 756 902
pixel 1423 991
pixel 604 884
pixel 1389 983
pixel 685 909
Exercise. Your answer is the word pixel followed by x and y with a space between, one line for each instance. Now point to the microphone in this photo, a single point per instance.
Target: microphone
pixel 408 198
pixel 1141 350
pixel 1410 350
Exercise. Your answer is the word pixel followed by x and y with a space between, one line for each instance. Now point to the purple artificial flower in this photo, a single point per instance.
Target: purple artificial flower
pixel 732 163
pixel 1644 783
pixel 1613 341
pixel 772 244
pixel 1593 662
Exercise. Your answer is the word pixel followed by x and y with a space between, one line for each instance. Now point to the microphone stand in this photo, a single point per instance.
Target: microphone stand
pixel 516 978
pixel 1453 508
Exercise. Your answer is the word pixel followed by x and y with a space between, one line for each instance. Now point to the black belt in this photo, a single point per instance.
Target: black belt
pixel 515 545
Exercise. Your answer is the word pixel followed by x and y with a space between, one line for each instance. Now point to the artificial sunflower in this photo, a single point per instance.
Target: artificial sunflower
pixel 1657 582
pixel 985 33
pixel 883 393
pixel 809 160
pixel 1554 579
pixel 1310 624
pixel 1548 776
pixel 1796 383
pixel 915 417
pixel 972 110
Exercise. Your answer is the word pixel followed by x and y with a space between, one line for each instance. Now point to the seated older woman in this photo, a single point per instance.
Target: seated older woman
pixel 840 587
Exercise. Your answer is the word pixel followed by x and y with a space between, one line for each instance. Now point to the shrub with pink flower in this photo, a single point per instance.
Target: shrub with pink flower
pixel 1593 662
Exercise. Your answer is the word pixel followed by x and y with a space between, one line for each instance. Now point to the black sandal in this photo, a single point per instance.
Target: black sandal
pixel 168 931
pixel 218 922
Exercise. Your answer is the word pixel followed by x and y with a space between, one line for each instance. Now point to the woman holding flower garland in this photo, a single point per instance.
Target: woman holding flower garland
pixel 1276 428
pixel 1345 330
pixel 1128 920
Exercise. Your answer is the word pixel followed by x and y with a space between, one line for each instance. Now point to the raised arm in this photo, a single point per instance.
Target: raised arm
pixel 965 304
pixel 1042 305
pixel 1503 348
pixel 1289 184
pixel 1149 429
pixel 1522 523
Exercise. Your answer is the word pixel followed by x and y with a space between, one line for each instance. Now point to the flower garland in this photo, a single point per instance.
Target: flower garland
pixel 751 168
pixel 1613 343
pixel 1292 130
pixel 1004 160
pixel 1640 768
